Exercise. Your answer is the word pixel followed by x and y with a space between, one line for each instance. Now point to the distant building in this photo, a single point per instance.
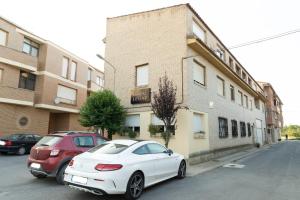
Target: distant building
pixel 225 105
pixel 42 85
pixel 274 116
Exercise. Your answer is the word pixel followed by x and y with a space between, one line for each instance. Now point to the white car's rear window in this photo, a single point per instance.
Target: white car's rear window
pixel 108 148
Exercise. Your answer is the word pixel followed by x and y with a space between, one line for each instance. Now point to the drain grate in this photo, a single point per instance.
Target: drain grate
pixel 233 165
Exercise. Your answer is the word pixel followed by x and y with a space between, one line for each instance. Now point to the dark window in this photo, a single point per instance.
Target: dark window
pixel 84 141
pixel 223 127
pixel 234 128
pixel 142 150
pixel 28 138
pixel 27 80
pixel 232 93
pixel 49 141
pixel 249 129
pixel 100 140
pixel 30 47
pixel 243 129
pixel 156 148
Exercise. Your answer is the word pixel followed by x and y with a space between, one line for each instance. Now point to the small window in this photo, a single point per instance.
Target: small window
pixel 1 75
pixel 243 129
pixel 250 81
pixel 73 71
pixel 30 47
pixel 221 86
pixel 27 80
pixel 156 148
pixel 257 104
pixel 234 128
pixel 3 38
pixel 142 75
pixel 89 75
pixel 223 127
pixel 199 73
pixel 244 76
pixel 249 129
pixel 251 104
pixel 84 141
pixel 230 63
pixel 238 70
pixel 246 101
pixel 141 150
pixel 240 98
pixel 198 31
pixel 220 53
pixel 65 66
pixel 232 93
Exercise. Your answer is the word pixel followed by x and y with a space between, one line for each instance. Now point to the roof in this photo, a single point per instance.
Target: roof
pixel 50 43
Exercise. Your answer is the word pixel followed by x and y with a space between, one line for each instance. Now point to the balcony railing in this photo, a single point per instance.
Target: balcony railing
pixel 18 59
pixel 16 95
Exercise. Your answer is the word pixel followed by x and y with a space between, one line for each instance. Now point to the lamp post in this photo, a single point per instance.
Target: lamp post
pixel 112 66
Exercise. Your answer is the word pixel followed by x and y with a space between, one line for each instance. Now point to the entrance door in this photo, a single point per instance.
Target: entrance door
pixel 259 132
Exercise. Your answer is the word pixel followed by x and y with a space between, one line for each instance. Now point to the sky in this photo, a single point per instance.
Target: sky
pixel 79 26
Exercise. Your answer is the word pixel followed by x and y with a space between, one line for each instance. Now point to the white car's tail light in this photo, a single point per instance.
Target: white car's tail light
pixel 108 167
pixel 54 152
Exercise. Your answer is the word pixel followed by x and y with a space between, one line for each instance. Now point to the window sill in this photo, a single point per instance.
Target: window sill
pixel 199 84
pixel 200 136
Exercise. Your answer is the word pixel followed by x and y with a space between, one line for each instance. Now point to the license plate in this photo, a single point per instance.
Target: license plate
pixel 2 143
pixel 35 165
pixel 79 179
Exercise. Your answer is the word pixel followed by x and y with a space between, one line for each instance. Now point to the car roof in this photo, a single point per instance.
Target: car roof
pixel 64 133
pixel 130 142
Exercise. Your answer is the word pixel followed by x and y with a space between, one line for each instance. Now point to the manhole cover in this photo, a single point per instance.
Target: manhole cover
pixel 233 165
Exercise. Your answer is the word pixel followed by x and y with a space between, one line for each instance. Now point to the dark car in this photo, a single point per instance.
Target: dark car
pixel 19 143
pixel 52 154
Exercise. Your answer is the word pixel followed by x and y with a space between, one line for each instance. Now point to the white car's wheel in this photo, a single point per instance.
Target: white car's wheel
pixel 135 186
pixel 182 170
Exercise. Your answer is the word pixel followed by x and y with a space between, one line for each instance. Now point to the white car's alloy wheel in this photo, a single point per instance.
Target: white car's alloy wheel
pixel 182 169
pixel 135 186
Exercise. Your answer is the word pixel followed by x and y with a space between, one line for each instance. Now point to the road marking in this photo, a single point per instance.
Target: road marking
pixel 233 165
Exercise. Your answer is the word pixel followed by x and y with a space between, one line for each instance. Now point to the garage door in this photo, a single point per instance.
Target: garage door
pixel 259 132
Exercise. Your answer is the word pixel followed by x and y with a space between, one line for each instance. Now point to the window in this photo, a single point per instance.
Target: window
pixel 198 31
pixel 246 101
pixel 27 80
pixel 238 70
pixel 89 75
pixel 220 53
pixel 257 104
pixel 3 37
pixel 243 129
pixel 156 148
pixel 160 124
pixel 230 63
pixel 73 71
pixel 240 98
pixel 244 76
pixel 223 127
pixel 1 75
pixel 142 75
pixel 232 93
pixel 197 123
pixel 65 66
pixel 250 81
pixel 84 141
pixel 108 148
pixel 251 104
pixel 249 129
pixel 221 86
pixel 133 122
pixel 141 150
pixel 99 81
pixel 100 140
pixel 234 128
pixel 30 47
pixel 66 95
pixel 199 73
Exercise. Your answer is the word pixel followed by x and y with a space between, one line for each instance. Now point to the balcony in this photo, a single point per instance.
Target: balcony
pixel 16 96
pixel 18 59
pixel 93 87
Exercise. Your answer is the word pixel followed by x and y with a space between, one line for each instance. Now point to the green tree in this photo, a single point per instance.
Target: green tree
pixel 291 130
pixel 102 110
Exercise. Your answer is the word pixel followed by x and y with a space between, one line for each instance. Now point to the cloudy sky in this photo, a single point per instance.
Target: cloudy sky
pixel 79 26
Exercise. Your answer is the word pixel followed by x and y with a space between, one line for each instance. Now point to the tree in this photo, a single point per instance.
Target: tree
pixel 291 130
pixel 164 105
pixel 102 110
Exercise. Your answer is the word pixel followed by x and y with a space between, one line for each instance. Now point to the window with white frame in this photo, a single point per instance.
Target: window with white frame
pixel 66 94
pixel 198 31
pixel 133 122
pixel 73 71
pixel 197 123
pixel 240 98
pixel 198 73
pixel 220 86
pixel 89 75
pixel 160 124
pixel 3 37
pixel 65 66
pixel 142 75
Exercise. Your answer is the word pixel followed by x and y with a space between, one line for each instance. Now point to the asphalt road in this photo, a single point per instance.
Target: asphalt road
pixel 273 174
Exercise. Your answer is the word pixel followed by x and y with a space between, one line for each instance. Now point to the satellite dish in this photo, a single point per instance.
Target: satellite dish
pixel 56 100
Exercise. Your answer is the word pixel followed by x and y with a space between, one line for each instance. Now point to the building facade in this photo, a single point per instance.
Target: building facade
pixel 274 116
pixel 223 105
pixel 42 86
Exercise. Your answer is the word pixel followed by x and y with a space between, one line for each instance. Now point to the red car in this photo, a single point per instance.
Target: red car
pixel 52 154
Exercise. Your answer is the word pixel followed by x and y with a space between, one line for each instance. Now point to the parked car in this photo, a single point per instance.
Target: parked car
pixel 123 167
pixel 52 154
pixel 19 143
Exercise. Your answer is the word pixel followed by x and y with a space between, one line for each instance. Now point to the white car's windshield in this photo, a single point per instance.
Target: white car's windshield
pixel 108 148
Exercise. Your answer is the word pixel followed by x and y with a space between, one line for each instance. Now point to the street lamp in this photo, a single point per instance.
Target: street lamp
pixel 112 66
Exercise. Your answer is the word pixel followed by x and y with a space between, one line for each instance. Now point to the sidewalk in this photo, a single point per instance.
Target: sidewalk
pixel 193 170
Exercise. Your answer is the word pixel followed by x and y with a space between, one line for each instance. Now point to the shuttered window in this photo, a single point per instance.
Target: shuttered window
pixel 66 95
pixel 73 71
pixel 197 123
pixel 199 73
pixel 133 122
pixel 220 86
pixel 3 37
pixel 65 65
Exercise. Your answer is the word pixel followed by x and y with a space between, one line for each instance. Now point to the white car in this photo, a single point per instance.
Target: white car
pixel 123 167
